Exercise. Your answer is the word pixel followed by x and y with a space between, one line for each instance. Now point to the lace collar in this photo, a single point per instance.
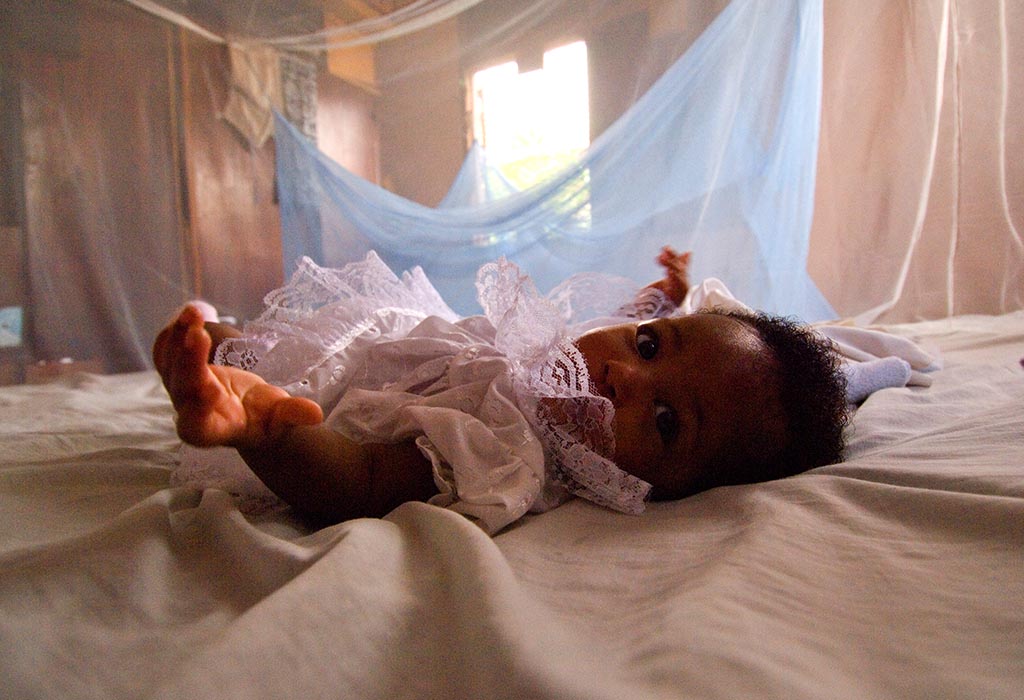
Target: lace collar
pixel 553 388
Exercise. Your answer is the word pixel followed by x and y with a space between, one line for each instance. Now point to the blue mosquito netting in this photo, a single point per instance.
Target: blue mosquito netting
pixel 477 181
pixel 717 157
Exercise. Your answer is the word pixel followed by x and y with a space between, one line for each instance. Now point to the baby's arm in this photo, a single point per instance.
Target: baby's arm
pixel 281 438
pixel 321 473
pixel 663 297
pixel 675 284
pixel 221 405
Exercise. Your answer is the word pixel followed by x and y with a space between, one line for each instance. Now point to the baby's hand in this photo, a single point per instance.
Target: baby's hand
pixel 221 405
pixel 676 282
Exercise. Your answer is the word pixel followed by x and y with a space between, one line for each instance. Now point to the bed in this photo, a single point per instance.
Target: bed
pixel 898 573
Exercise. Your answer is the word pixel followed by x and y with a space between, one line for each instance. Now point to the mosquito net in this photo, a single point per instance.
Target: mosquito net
pixel 665 172
pixel 823 158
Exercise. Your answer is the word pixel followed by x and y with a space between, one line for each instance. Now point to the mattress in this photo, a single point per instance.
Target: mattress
pixel 896 573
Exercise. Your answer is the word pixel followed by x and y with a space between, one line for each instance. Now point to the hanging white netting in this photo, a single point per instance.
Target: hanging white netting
pixel 824 158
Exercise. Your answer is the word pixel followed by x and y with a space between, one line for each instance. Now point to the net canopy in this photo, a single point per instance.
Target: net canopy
pixel 664 172
pixel 823 158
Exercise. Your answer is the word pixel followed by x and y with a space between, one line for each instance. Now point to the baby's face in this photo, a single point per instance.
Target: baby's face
pixel 687 391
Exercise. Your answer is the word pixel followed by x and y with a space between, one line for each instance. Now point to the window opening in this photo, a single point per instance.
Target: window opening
pixel 530 124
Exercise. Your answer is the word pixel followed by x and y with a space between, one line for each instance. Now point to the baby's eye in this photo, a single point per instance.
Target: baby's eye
pixel 666 420
pixel 646 342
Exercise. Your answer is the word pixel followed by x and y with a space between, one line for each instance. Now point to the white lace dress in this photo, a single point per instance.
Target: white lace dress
pixel 499 403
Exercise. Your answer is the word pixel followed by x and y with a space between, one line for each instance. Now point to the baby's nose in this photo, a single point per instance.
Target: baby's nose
pixel 625 379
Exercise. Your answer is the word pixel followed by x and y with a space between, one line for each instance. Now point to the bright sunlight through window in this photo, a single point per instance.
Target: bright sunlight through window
pixel 532 123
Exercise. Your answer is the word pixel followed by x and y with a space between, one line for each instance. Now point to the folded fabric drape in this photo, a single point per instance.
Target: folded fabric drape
pixel 717 157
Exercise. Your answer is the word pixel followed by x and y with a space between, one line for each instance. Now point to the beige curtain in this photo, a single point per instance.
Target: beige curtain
pixel 920 181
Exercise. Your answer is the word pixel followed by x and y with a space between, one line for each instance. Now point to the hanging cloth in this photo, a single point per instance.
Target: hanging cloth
pixel 718 157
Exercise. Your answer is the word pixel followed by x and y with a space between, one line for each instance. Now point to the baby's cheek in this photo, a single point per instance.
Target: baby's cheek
pixel 632 448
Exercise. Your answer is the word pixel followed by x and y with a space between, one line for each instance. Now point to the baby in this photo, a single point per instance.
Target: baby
pixel 508 412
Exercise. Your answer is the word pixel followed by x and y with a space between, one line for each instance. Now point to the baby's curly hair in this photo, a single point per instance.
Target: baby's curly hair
pixel 812 392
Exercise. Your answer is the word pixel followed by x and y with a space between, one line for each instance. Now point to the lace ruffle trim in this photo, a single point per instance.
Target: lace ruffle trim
pixel 552 386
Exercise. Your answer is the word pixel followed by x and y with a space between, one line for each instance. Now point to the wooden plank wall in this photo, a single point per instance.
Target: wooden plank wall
pixel 98 213
pixel 234 225
pixel 114 163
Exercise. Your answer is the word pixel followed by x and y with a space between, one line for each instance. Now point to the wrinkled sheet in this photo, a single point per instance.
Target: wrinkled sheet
pixel 899 573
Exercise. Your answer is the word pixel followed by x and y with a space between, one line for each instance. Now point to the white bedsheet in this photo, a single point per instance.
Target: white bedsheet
pixel 899 573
